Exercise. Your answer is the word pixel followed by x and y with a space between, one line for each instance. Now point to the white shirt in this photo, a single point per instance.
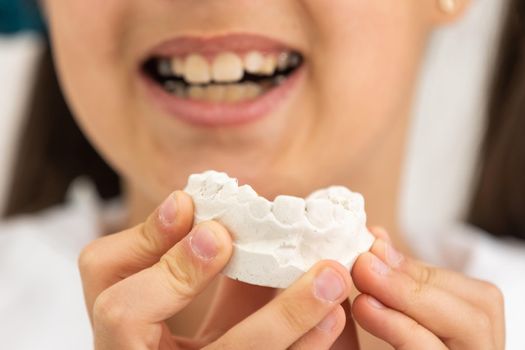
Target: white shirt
pixel 41 302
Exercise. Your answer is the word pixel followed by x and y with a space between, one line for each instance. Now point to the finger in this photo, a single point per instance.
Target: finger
pixel 380 232
pixel 324 334
pixel 440 311
pixel 459 284
pixel 348 338
pixel 136 306
pixel 292 313
pixel 112 258
pixel 397 329
pixel 481 294
pixel 233 302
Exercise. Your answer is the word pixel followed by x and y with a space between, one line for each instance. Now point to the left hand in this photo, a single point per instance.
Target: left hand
pixel 405 302
pixel 411 305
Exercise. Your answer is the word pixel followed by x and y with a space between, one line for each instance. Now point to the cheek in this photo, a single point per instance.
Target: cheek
pixel 89 45
pixel 364 69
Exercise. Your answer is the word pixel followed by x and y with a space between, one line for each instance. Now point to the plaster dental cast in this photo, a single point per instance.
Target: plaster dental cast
pixel 276 242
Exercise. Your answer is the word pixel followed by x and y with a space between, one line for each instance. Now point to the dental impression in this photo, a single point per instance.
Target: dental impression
pixel 276 242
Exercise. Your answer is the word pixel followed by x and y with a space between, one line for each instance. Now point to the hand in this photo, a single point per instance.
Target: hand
pixel 137 279
pixel 411 305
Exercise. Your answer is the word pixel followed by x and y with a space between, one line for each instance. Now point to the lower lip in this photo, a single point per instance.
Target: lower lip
pixel 209 114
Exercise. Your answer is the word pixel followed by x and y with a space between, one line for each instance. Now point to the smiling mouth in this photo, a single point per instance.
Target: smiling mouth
pixel 222 80
pixel 225 77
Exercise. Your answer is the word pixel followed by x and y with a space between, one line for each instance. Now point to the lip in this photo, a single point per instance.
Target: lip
pixel 209 114
pixel 212 45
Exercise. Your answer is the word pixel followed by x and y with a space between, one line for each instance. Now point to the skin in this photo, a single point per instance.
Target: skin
pixel 331 130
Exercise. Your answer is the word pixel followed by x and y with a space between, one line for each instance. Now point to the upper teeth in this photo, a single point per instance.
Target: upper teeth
pixel 196 69
pixel 226 67
pixel 253 62
pixel 176 65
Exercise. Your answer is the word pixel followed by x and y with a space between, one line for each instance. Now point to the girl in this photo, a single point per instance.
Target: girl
pixel 288 96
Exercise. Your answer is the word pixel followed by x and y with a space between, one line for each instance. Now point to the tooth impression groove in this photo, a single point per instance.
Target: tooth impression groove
pixel 276 242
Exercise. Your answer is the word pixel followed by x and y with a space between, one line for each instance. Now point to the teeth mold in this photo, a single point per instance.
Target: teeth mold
pixel 276 242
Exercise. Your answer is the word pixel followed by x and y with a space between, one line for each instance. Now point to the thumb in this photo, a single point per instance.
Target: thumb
pixel 112 258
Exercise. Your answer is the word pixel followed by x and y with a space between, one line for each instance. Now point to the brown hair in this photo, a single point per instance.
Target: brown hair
pixel 498 205
pixel 53 151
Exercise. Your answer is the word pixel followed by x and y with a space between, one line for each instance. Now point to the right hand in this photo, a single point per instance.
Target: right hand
pixel 137 279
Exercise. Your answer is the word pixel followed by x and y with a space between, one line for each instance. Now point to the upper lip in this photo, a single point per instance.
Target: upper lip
pixel 212 45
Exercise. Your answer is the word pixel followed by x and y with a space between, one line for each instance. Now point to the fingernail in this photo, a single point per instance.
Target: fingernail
pixel 204 243
pixel 168 210
pixel 328 285
pixel 379 267
pixel 393 257
pixel 376 304
pixel 328 323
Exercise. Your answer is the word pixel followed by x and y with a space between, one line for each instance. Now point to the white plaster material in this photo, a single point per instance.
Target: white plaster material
pixel 276 242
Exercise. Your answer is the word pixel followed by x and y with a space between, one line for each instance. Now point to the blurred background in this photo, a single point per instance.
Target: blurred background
pixel 21 35
pixel 19 15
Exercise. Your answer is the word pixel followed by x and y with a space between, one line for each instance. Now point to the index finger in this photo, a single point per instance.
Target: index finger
pixel 479 293
pixel 112 258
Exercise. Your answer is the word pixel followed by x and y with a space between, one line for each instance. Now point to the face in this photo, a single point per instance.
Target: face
pixel 288 95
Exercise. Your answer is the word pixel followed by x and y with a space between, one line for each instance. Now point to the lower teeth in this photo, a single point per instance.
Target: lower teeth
pixel 219 92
